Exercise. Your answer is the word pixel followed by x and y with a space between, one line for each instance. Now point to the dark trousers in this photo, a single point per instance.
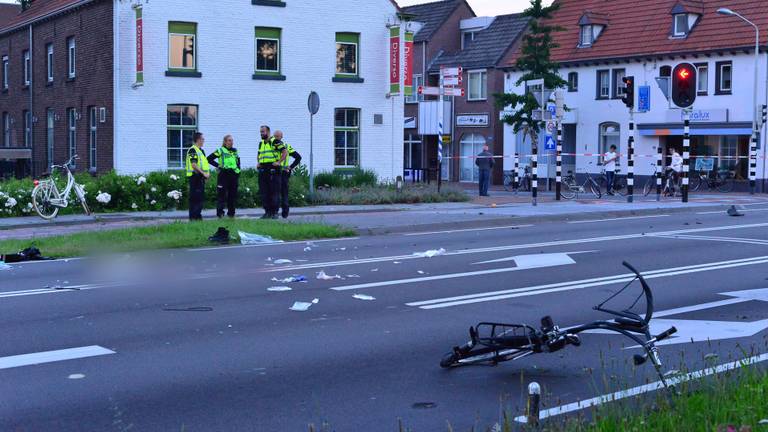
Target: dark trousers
pixel 611 177
pixel 196 197
pixel 485 180
pixel 226 191
pixel 285 180
pixel 269 189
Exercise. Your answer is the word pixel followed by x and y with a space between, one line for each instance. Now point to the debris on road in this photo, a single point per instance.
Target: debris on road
pixel 340 249
pixel 374 270
pixel 221 236
pixel 733 211
pixel 303 306
pixel 420 272
pixel 252 239
pixel 307 249
pixel 189 309
pixel 282 261
pixel 323 276
pixel 4 266
pixel 430 253
pixel 279 288
pixel 28 254
pixel 76 376
pixel 363 297
pixel 291 279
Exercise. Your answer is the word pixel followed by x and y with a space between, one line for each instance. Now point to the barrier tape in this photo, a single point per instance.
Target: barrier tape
pixel 603 155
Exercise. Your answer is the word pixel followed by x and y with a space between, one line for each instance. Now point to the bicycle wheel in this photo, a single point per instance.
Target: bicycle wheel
pixel 41 200
pixel 477 355
pixel 507 182
pixel 694 183
pixel 620 187
pixel 649 184
pixel 725 185
pixel 595 188
pixel 568 190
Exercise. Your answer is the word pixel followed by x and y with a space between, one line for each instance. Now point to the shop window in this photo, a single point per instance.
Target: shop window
pixel 346 137
pixel 182 125
pixel 471 145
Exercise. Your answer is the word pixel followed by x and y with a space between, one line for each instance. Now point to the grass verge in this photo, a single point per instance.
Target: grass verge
pixel 169 236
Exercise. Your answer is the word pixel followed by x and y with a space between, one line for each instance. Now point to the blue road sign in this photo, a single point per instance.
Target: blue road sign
pixel 549 143
pixel 552 108
pixel 644 98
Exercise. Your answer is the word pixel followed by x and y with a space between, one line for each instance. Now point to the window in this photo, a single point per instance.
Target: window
pixel 49 61
pixel 182 125
pixel 702 83
pixel 412 154
pixel 182 49
pixel 93 122
pixel 573 82
pixel 347 54
pixel 665 71
pixel 478 85
pixel 27 125
pixel 603 84
pixel 49 129
pixel 267 51
pixel 71 58
pixel 27 69
pixel 471 145
pixel 618 85
pixel 466 38
pixel 6 130
pixel 610 134
pixel 681 25
pixel 72 133
pixel 724 79
pixel 586 36
pixel 418 81
pixel 5 72
pixel 347 137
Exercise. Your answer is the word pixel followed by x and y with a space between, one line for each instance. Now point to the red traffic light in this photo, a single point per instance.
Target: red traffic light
pixel 684 73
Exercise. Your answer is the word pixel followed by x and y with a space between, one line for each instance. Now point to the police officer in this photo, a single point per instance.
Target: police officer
pixel 286 172
pixel 229 176
pixel 271 156
pixel 198 171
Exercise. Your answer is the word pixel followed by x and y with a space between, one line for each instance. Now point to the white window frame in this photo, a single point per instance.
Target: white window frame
pixel 676 31
pixel 699 81
pixel 5 72
pixel 72 132
pixel 411 139
pixel 194 52
pixel 415 97
pixel 618 86
pixel 604 134
pixel 346 129
pixel 722 76
pixel 93 127
pixel 71 58
pixel 464 34
pixel 49 61
pixel 27 123
pixel 50 128
pixel 357 59
pixel 6 130
pixel 607 88
pixel 586 30
pixel 256 56
pixel 477 141
pixel 180 129
pixel 27 68
pixel 483 73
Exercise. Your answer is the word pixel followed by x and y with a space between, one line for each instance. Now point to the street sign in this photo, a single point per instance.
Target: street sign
pixel 453 81
pixel 644 98
pixel 549 143
pixel 451 72
pixel 313 103
pixel 446 139
pixel 550 127
pixel 552 108
pixel 429 91
pixel 449 91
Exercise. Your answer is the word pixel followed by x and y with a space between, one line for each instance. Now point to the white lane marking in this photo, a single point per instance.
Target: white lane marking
pixel 723 211
pixel 467 230
pixel 575 285
pixel 52 356
pixel 511 247
pixel 694 308
pixel 715 238
pixel 55 261
pixel 646 388
pixel 538 260
pixel 617 219
pixel 220 248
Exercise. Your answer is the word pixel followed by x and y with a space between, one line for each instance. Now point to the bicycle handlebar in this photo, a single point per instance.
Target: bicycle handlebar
pixel 666 334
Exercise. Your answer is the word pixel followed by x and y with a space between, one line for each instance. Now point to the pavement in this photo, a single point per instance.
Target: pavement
pixel 195 340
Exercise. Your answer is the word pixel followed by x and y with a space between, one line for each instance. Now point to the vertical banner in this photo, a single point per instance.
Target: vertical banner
pixel 408 64
pixel 394 60
pixel 139 45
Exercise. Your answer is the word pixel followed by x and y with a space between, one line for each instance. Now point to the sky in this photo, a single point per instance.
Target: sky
pixel 484 7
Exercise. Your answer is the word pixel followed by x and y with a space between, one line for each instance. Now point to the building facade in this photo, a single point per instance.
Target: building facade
pixel 602 43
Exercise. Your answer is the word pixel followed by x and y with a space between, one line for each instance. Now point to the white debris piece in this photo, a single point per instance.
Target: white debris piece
pixel 307 249
pixel 352 276
pixel 430 253
pixel 4 266
pixel 282 261
pixel 374 270
pixel 290 279
pixel 76 376
pixel 420 272
pixel 279 288
pixel 303 306
pixel 323 276
pixel 252 239
pixel 364 297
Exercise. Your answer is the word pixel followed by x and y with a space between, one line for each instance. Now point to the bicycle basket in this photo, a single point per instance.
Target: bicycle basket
pixel 496 335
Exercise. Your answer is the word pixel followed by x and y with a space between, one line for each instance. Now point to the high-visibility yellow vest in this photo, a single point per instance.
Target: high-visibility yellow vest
pixel 227 159
pixel 288 156
pixel 202 162
pixel 267 152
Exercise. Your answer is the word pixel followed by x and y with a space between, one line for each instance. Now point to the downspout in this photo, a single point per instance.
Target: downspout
pixel 115 81
pixel 765 126
pixel 31 102
pixel 424 160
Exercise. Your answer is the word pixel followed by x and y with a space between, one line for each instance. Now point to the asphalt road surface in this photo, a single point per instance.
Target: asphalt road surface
pixel 196 341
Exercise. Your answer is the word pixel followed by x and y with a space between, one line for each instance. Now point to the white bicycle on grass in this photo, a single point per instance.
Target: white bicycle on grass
pixel 47 199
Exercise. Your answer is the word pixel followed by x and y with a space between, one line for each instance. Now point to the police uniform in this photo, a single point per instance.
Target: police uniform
pixel 270 151
pixel 286 177
pixel 228 179
pixel 195 155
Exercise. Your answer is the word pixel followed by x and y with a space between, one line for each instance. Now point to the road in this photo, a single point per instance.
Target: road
pixel 195 341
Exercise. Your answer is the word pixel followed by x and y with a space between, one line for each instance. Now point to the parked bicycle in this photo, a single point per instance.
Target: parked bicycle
pixel 571 188
pixel 619 183
pixel 494 342
pixel 523 184
pixel 48 200
pixel 722 181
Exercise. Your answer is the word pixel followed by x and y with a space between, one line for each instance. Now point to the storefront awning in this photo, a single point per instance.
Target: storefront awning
pixel 665 129
pixel 15 153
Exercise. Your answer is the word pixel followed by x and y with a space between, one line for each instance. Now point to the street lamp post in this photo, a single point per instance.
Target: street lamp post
pixel 753 145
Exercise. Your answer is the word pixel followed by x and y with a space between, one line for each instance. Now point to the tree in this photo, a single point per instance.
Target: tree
pixel 535 63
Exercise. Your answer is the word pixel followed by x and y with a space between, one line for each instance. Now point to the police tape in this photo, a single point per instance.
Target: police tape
pixel 547 155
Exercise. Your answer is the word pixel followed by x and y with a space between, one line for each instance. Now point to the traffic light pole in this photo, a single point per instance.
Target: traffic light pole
pixel 686 150
pixel 659 157
pixel 753 162
pixel 631 158
pixel 559 160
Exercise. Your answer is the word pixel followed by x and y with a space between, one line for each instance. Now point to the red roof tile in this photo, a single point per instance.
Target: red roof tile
pixel 40 9
pixel 643 28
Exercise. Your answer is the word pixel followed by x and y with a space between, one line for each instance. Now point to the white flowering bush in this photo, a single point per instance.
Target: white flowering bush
pixel 10 202
pixel 103 197
pixel 141 180
pixel 175 195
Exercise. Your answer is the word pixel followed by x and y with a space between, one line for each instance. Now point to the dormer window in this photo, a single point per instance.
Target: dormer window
pixel 681 25
pixel 586 36
pixel 591 25
pixel 684 17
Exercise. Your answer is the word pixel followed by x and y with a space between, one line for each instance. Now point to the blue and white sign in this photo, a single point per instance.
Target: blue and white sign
pixel 705 164
pixel 549 143
pixel 552 108
pixel 715 115
pixel 644 98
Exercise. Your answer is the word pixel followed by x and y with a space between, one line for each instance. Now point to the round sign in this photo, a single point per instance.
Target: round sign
pixel 313 103
pixel 550 127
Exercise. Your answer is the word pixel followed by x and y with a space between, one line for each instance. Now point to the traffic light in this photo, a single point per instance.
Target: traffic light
pixel 684 85
pixel 629 91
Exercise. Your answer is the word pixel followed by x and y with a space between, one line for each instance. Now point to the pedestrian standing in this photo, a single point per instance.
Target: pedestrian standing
pixel 609 163
pixel 271 156
pixel 287 170
pixel 198 171
pixel 228 178
pixel 485 162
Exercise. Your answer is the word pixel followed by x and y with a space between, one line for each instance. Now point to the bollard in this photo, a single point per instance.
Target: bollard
pixel 631 159
pixel 559 161
pixel 515 173
pixel 752 163
pixel 659 157
pixel 534 402
pixel 534 176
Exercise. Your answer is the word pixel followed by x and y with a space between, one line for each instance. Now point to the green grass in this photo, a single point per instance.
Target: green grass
pixel 169 236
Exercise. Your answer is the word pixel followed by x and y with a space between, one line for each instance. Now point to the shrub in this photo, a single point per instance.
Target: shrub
pixel 356 177
pixel 410 194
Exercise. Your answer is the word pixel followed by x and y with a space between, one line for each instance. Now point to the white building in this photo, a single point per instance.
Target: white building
pixel 601 45
pixel 227 67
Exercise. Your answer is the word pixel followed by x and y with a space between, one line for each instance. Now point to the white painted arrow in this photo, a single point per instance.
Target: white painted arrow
pixel 536 260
